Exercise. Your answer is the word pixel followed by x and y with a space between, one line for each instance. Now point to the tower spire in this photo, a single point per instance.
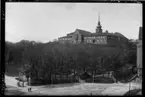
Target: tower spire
pixel 99 16
pixel 99 24
pixel 98 28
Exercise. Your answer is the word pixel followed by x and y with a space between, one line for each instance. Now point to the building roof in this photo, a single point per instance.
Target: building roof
pixel 83 32
pixel 87 33
pixel 99 34
pixel 106 34
pixel 66 37
pixel 118 34
pixel 140 33
pixel 70 33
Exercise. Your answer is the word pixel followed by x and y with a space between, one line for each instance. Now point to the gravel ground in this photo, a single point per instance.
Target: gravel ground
pixel 69 89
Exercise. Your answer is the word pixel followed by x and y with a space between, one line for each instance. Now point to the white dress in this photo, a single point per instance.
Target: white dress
pixel 29 83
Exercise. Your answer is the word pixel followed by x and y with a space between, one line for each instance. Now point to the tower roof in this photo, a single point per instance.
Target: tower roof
pixel 99 24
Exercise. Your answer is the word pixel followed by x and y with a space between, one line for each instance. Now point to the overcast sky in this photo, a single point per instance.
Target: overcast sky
pixel 47 21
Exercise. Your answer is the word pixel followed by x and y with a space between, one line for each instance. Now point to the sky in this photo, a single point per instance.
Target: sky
pixel 45 22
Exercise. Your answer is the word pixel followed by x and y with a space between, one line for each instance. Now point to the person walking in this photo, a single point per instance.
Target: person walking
pixel 29 84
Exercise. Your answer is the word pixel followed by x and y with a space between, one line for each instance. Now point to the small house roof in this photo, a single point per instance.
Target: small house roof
pixel 85 75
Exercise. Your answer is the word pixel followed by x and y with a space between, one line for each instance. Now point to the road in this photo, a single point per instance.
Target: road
pixel 70 89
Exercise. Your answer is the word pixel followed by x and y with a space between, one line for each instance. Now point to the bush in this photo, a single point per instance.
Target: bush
pixel 100 80
pixel 35 82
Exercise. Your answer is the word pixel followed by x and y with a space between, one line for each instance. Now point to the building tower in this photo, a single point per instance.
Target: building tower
pixel 99 27
pixel 139 52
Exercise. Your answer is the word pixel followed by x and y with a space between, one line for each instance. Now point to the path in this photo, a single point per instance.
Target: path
pixel 76 89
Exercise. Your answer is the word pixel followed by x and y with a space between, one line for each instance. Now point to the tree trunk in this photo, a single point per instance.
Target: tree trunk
pixel 92 72
pixel 84 69
pixel 51 75
pixel 74 77
pixel 93 75
pixel 71 78
pixel 51 78
pixel 67 76
pixel 108 75
pixel 55 76
pixel 36 74
pixel 60 77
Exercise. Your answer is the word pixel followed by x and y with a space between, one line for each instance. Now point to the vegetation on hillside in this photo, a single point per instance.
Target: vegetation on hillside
pixel 53 61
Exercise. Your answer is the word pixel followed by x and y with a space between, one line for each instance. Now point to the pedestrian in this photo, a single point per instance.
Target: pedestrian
pixel 29 84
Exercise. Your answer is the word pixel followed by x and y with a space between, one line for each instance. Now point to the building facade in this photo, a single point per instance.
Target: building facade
pixel 99 37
